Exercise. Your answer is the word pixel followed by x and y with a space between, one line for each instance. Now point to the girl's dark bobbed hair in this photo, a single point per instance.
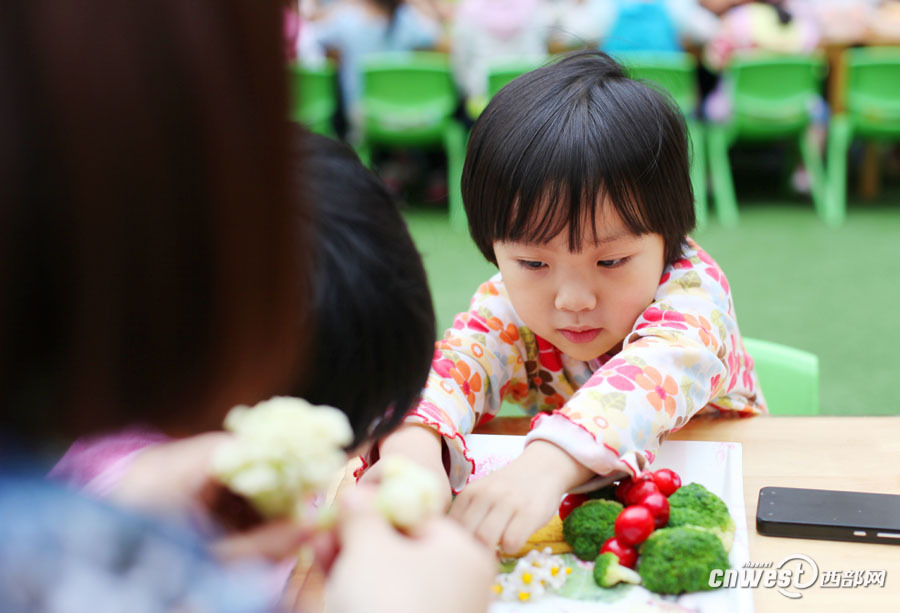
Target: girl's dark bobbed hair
pixel 557 141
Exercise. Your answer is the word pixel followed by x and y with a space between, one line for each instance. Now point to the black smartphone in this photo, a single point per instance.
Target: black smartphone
pixel 828 514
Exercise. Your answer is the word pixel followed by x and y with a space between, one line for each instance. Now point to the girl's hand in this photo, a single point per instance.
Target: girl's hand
pixel 507 506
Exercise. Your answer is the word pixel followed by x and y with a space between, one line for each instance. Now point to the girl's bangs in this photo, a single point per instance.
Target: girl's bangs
pixel 540 215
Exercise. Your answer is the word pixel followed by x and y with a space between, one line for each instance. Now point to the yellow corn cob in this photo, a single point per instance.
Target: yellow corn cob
pixel 550 535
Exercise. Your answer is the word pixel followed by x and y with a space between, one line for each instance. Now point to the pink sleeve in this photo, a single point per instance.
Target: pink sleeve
pixel 97 463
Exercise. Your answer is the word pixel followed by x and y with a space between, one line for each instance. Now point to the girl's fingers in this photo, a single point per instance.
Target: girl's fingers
pixel 469 510
pixel 494 525
pixel 520 527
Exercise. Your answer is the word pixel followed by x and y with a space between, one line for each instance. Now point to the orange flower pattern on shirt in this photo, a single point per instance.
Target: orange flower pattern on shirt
pixel 684 354
pixel 518 390
pixel 704 329
pixel 662 389
pixel 510 335
pixel 469 382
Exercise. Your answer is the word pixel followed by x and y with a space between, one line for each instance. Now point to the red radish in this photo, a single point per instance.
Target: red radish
pixel 570 503
pixel 627 555
pixel 642 488
pixel 667 481
pixel 658 505
pixel 634 525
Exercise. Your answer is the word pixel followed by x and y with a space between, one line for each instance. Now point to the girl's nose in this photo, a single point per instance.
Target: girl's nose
pixel 575 296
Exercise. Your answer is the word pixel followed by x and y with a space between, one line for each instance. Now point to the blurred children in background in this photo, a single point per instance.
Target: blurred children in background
pixel 763 26
pixel 488 33
pixel 354 29
pixel 653 25
pixel 766 25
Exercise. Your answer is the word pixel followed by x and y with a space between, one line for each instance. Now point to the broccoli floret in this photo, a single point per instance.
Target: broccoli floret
pixel 588 526
pixel 676 560
pixel 694 505
pixel 608 571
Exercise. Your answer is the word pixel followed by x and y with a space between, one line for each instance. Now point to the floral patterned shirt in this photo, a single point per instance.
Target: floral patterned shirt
pixel 683 355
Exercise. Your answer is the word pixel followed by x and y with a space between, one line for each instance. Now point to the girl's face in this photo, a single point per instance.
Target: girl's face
pixel 584 303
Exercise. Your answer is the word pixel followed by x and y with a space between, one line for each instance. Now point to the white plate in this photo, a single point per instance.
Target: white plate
pixel 716 466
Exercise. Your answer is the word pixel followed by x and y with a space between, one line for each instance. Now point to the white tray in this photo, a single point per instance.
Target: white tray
pixel 716 466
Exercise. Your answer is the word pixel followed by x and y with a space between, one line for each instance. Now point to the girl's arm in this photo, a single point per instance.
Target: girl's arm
pixel 480 360
pixel 684 353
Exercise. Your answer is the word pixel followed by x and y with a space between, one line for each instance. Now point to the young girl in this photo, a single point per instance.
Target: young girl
pixel 605 321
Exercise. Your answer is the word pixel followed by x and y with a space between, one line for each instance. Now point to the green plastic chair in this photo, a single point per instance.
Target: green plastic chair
pixel 873 113
pixel 409 99
pixel 771 97
pixel 314 96
pixel 676 73
pixel 501 73
pixel 789 377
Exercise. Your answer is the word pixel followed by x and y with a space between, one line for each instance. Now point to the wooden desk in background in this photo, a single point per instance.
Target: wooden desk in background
pixel 842 453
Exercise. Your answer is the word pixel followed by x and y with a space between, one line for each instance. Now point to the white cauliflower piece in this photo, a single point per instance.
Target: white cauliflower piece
pixel 284 451
pixel 408 493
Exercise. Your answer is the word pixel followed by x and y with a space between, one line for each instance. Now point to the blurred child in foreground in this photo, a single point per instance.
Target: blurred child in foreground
pixel 152 278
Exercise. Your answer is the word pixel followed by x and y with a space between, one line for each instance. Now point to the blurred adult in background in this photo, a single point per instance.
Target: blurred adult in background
pixel 885 23
pixel 765 25
pixel 719 6
pixel 654 25
pixel 354 29
pixel 579 23
pixel 149 275
pixel 851 21
pixel 487 33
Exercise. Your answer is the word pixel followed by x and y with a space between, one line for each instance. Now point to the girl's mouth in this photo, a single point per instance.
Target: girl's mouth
pixel 580 336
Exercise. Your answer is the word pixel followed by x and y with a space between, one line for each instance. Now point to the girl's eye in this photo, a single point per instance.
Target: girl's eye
pixel 531 264
pixel 611 263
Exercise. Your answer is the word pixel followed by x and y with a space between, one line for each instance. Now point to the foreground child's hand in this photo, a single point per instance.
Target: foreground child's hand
pixel 381 570
pixel 172 477
pixel 421 445
pixel 507 506
pixel 175 478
